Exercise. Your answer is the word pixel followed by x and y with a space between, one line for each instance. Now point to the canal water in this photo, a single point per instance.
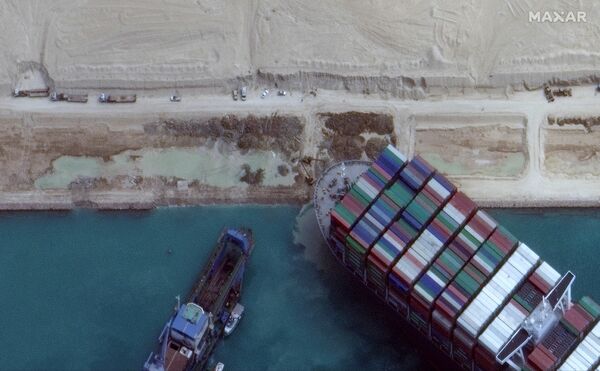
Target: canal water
pixel 92 290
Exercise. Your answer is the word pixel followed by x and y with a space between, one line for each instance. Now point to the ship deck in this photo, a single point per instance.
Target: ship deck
pixel 331 186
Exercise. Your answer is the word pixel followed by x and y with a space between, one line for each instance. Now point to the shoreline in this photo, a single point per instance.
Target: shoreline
pixel 500 152
pixel 128 202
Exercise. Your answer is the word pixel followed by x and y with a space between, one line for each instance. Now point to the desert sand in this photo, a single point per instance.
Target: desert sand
pixel 456 82
pixel 399 47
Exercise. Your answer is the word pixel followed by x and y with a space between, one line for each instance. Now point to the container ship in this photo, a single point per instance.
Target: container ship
pixel 189 337
pixel 479 295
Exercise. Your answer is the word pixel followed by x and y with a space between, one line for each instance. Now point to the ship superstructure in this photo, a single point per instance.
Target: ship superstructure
pixel 481 296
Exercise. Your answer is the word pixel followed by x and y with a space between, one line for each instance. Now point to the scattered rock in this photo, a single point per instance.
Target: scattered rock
pixel 251 132
pixel 252 177
pixel 283 170
pixel 345 133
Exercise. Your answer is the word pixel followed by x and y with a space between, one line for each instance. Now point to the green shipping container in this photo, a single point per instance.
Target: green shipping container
pixel 523 303
pixel 345 213
pixel 399 195
pixel 467 282
pixel 590 306
pixel 354 245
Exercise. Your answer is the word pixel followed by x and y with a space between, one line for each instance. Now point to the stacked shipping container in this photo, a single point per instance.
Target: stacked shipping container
pixel 587 354
pixel 565 336
pixel 522 303
pixel 447 267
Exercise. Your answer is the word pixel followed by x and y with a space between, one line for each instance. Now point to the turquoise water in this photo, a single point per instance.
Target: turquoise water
pixel 91 290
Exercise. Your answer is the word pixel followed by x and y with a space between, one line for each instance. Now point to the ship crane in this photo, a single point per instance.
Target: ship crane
pixel 539 322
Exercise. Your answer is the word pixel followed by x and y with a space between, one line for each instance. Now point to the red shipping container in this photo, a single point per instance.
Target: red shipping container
pixel 398 301
pixel 502 241
pixel 484 359
pixel 377 263
pixel 480 226
pixel 538 360
pixel 583 312
pixel 547 352
pixel 463 204
pixel 462 346
pixel 381 171
pixel 577 319
pixel 419 306
pixel 539 283
pixel 432 196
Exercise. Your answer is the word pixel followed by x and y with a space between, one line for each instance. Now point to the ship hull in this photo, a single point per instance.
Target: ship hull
pixel 461 280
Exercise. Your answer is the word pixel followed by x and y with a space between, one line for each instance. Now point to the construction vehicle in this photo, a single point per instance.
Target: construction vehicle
pixel 108 98
pixel 548 93
pixel 32 93
pixel 563 92
pixel 74 98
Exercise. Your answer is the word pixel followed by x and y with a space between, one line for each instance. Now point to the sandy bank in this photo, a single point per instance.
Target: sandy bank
pixel 401 48
pixel 502 152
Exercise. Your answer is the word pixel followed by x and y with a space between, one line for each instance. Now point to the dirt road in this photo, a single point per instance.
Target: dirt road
pixel 154 152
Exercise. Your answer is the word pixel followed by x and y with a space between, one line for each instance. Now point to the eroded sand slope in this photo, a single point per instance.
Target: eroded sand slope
pixel 210 43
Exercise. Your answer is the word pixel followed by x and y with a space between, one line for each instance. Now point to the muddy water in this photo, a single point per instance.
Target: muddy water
pixel 209 166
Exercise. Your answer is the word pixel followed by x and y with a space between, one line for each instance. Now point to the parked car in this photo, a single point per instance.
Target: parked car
pixel 243 91
pixel 234 94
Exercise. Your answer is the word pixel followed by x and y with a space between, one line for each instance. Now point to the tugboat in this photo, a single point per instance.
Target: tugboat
pixel 234 319
pixel 189 337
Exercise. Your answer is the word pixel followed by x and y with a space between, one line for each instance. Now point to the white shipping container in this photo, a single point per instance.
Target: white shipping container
pixel 548 274
pixel 486 267
pixel 582 361
pixel 593 342
pixel 422 251
pixel 380 227
pixel 512 316
pixel 490 293
pixel 467 324
pixel 454 213
pixel 495 292
pixel 501 331
pixel 490 341
pixel 596 331
pixel 430 241
pixel 487 219
pixel 396 153
pixel 528 253
pixel 438 188
pixel 367 188
pixel 577 364
pixel 500 334
pixel 511 278
pixel 392 241
pixel 413 271
pixel 502 328
pixel 420 261
pixel 474 233
pixel 520 263
pixel 407 268
pixel 585 352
